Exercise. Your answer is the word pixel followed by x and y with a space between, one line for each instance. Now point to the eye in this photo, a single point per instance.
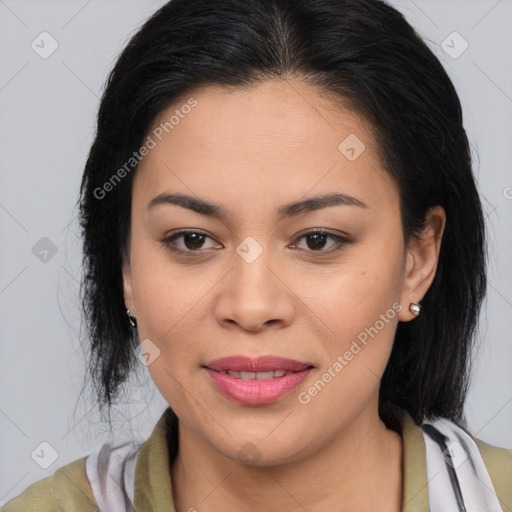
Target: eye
pixel 316 241
pixel 192 241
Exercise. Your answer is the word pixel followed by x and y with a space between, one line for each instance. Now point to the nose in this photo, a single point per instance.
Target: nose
pixel 254 295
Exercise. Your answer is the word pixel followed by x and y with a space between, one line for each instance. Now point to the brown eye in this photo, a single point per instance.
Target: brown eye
pixel 191 241
pixel 317 240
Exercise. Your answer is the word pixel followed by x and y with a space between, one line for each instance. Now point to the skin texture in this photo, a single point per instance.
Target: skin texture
pixel 253 151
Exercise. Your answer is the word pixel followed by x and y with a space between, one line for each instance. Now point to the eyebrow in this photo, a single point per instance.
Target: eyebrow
pixel 286 211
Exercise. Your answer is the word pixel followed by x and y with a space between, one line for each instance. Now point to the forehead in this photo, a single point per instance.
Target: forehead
pixel 270 141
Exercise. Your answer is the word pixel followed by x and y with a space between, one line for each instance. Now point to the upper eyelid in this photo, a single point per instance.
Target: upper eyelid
pixel 311 231
pixel 337 237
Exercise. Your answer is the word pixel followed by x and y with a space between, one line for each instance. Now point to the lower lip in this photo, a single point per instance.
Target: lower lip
pixel 256 392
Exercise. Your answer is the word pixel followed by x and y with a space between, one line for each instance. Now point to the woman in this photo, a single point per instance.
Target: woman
pixel 281 221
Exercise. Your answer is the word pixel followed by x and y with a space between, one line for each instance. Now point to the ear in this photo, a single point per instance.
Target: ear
pixel 127 285
pixel 421 261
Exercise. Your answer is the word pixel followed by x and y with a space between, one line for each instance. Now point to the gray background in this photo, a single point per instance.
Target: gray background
pixel 48 109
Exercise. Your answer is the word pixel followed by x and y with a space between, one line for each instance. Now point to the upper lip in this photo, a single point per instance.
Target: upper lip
pixel 259 364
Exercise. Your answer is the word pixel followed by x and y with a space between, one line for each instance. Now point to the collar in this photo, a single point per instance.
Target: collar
pixel 414 464
pixel 153 489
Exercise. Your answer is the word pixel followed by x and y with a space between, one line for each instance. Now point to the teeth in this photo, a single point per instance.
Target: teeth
pixel 256 375
pixel 264 375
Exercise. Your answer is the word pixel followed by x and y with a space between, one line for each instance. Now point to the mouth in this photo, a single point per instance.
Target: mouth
pixel 260 381
pixel 273 374
pixel 261 368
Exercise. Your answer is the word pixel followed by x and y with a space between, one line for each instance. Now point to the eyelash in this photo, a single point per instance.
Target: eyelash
pixel 340 241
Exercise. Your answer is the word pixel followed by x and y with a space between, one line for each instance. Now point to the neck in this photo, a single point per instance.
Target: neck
pixel 360 469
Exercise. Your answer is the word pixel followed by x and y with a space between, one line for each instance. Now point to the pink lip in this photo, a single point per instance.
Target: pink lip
pixel 256 392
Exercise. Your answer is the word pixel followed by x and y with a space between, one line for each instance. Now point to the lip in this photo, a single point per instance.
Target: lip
pixel 259 364
pixel 257 391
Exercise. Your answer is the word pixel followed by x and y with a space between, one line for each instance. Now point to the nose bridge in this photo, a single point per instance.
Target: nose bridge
pixel 251 272
pixel 253 294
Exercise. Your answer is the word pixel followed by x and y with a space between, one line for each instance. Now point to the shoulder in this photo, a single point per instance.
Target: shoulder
pixel 102 480
pixel 469 456
pixel 498 462
pixel 495 454
pixel 67 489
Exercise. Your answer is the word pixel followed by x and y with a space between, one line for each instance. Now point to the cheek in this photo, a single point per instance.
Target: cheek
pixel 169 301
pixel 359 307
pixel 352 296
pixel 158 295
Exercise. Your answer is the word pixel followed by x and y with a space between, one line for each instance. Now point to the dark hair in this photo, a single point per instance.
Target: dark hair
pixel 362 52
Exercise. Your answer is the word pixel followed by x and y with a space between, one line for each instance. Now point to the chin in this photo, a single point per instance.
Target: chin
pixel 264 453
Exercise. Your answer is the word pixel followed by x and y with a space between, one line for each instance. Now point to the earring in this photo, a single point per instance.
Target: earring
pixel 133 320
pixel 415 308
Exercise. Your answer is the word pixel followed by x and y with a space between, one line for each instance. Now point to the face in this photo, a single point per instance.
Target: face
pixel 323 283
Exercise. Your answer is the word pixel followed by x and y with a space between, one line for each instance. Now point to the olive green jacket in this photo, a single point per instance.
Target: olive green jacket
pixel 68 489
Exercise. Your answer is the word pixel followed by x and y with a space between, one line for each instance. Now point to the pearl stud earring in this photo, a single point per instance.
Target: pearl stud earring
pixel 415 308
